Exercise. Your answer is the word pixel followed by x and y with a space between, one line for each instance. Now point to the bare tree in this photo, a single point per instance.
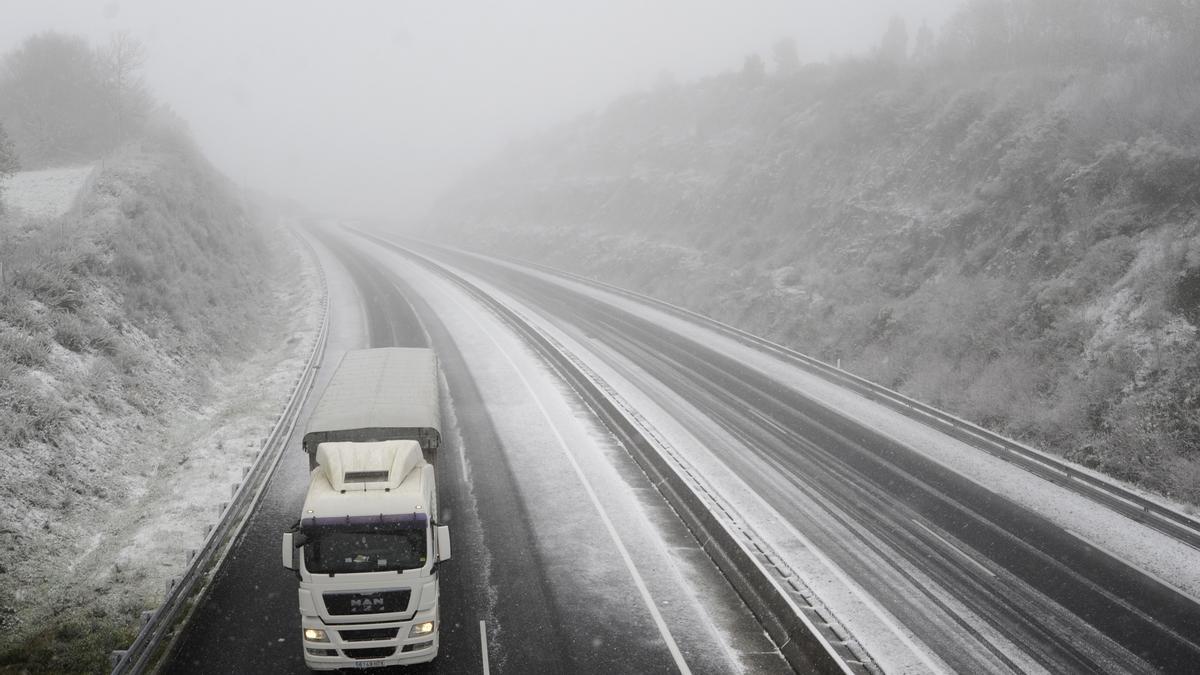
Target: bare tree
pixel 982 32
pixel 894 46
pixel 754 71
pixel 121 62
pixel 49 88
pixel 787 56
pixel 923 46
pixel 8 165
pixel 8 156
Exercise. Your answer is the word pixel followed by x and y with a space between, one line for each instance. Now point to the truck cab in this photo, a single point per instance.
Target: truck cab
pixel 366 551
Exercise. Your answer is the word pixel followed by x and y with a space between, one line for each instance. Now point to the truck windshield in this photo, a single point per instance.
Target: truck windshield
pixel 363 548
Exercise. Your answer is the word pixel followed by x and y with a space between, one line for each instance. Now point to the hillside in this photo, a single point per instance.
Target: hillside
pixel 148 338
pixel 1002 221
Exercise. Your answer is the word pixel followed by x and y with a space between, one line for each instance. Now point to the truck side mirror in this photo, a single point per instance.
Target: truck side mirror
pixel 443 542
pixel 289 550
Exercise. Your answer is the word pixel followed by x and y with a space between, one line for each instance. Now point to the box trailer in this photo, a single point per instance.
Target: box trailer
pixel 379 395
pixel 367 545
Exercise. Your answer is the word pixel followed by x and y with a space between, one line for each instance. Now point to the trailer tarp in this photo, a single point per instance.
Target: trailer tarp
pixel 379 395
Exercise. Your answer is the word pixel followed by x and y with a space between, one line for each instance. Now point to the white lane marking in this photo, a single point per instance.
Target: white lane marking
pixel 958 550
pixel 1173 585
pixel 462 460
pixel 483 645
pixel 587 487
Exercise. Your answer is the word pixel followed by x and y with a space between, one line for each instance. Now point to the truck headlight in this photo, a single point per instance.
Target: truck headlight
pixel 315 635
pixel 419 629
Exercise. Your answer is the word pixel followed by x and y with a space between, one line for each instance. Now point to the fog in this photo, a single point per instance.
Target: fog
pixel 371 108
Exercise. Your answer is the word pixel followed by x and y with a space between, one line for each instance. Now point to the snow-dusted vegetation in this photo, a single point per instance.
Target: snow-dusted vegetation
pixel 151 330
pixel 1000 219
pixel 143 356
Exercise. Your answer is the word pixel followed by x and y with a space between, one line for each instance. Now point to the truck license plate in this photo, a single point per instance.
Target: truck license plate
pixel 370 663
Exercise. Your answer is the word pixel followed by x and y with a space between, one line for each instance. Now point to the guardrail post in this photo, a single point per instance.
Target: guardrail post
pixel 147 615
pixel 115 656
pixel 233 490
pixel 171 583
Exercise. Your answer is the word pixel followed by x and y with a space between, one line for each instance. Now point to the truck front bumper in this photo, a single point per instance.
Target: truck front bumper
pixel 371 645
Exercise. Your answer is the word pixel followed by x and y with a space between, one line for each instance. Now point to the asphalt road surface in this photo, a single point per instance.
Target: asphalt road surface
pixel 507 590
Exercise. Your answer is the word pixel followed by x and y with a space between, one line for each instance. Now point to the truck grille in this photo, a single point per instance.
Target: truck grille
pixel 372 653
pixel 380 602
pixel 366 634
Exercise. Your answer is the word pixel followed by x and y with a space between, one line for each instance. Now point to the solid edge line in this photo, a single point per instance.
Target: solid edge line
pixel 483 646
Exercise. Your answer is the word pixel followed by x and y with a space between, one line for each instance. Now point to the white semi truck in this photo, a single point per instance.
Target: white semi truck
pixel 367 546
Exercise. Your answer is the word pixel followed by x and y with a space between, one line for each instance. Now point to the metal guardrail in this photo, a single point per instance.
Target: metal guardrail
pixel 159 627
pixel 1117 497
pixel 804 639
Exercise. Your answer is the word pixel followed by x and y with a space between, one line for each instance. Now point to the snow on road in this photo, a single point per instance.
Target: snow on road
pixel 1163 557
pixel 561 460
pixel 46 193
pixel 893 647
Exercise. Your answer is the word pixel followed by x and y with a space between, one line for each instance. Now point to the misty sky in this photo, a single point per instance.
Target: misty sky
pixel 373 107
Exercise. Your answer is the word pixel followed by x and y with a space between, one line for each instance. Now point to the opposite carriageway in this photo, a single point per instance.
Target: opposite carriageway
pixel 1070 605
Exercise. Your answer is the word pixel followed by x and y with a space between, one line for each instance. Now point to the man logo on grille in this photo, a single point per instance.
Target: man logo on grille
pixel 368 604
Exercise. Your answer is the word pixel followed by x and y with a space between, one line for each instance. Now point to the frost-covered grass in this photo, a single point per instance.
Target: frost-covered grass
pixel 78 645
pixel 142 358
pixel 46 193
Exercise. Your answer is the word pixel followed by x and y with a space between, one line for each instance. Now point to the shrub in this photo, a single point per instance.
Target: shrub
pixel 1185 480
pixel 17 310
pixel 1163 174
pixel 18 410
pixel 102 383
pixel 70 331
pixel 126 360
pixel 52 284
pixel 71 645
pixel 1104 176
pixel 51 417
pixel 16 426
pixel 964 109
pixel 1185 296
pixel 31 351
pixel 83 332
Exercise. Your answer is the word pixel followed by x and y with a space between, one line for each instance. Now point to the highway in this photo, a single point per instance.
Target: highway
pixel 543 581
pixel 535 584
